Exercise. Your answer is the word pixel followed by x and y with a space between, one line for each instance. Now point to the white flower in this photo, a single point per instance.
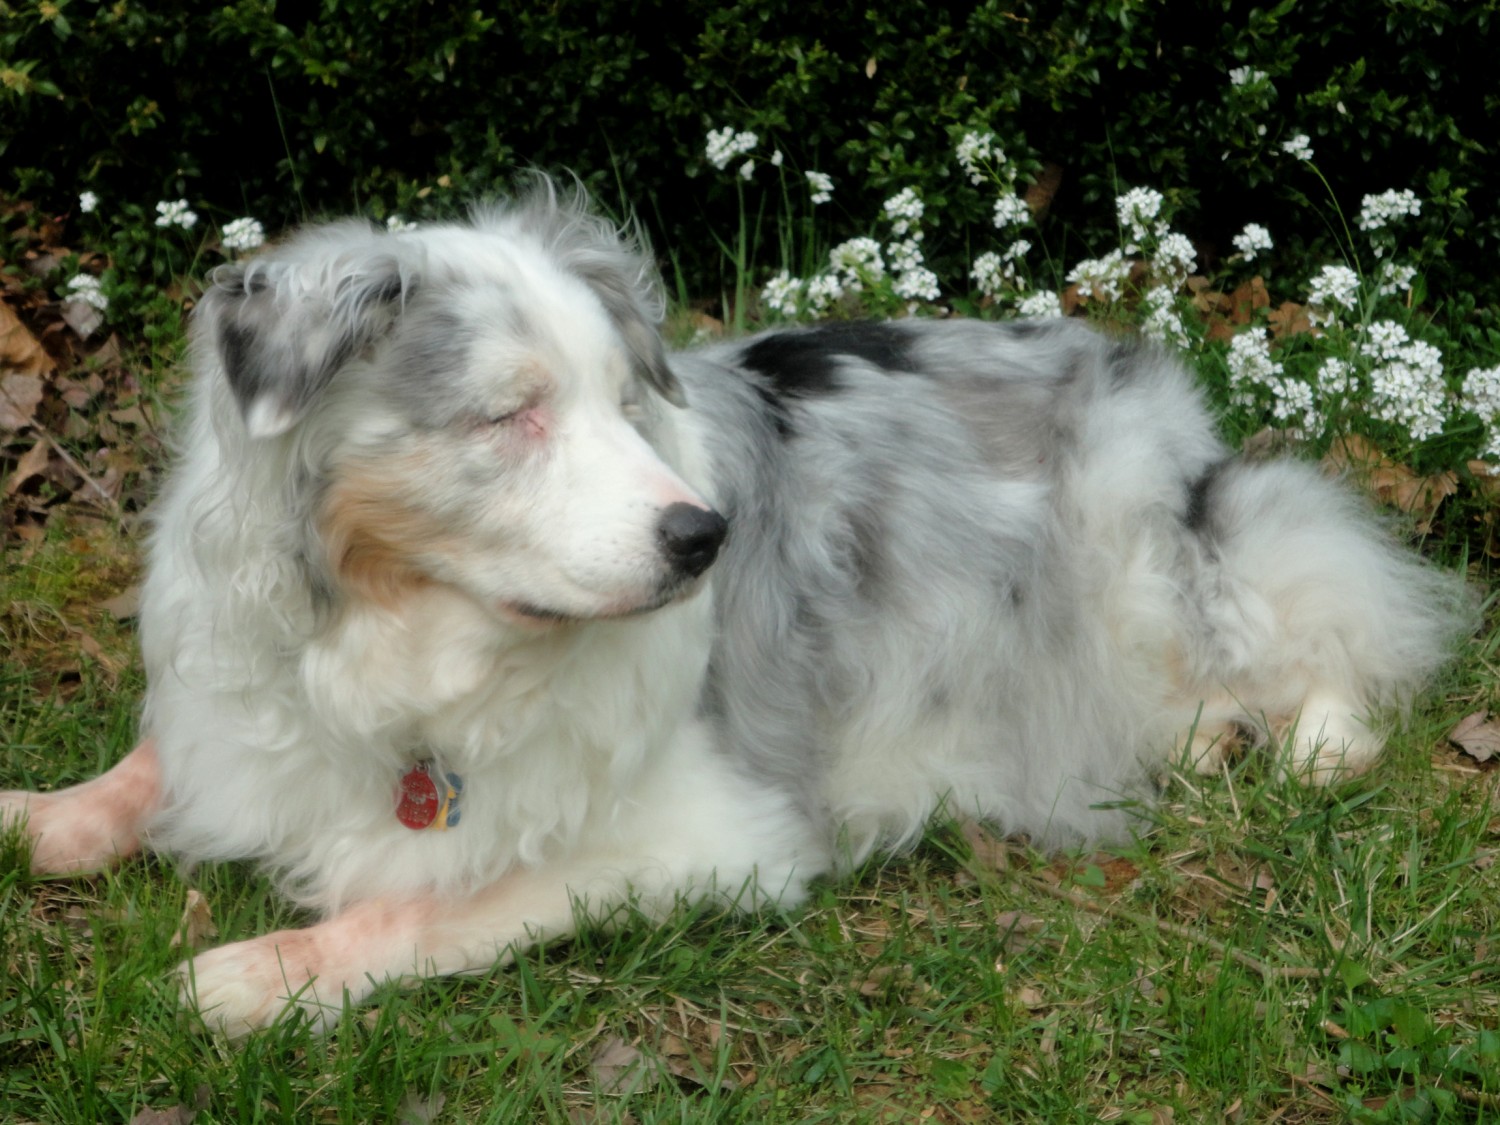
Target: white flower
pixel 1043 303
pixel 1406 385
pixel 1103 278
pixel 1011 211
pixel 1384 339
pixel 1162 321
pixel 1377 211
pixel 822 186
pixel 1292 401
pixel 1252 240
pixel 782 293
pixel 1336 287
pixel 977 148
pixel 916 283
pixel 855 260
pixel 397 225
pixel 1299 146
pixel 823 291
pixel 243 234
pixel 904 209
pixel 777 159
pixel 1174 259
pixel 85 288
pixel 747 169
pixel 1138 209
pixel 989 273
pixel 1246 76
pixel 903 256
pixel 87 202
pixel 725 144
pixel 1250 365
pixel 1481 392
pixel 1336 378
pixel 1395 279
pixel 175 214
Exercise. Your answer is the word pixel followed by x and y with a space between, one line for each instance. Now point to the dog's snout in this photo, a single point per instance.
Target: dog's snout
pixel 690 537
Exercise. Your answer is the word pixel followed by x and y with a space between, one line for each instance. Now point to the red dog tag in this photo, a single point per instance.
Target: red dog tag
pixel 418 802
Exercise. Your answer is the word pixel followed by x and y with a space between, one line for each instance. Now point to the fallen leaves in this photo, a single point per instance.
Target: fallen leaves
pixel 1390 482
pixel 1478 736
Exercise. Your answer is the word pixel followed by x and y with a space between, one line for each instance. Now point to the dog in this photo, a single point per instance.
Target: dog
pixel 471 613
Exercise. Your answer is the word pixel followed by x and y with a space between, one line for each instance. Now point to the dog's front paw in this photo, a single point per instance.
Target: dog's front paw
pixel 61 844
pixel 1329 743
pixel 249 985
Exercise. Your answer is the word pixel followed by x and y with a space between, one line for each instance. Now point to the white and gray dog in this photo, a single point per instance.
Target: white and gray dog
pixel 470 611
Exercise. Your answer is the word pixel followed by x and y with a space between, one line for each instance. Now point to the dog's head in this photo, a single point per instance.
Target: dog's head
pixel 483 405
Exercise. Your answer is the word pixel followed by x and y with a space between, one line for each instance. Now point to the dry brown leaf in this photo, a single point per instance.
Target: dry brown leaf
pixel 1389 481
pixel 1040 194
pixel 124 605
pixel 989 850
pixel 197 925
pixel 19 397
pixel 176 1115
pixel 417 1109
pixel 30 464
pixel 1477 735
pixel 1289 319
pixel 21 353
pixel 1245 300
pixel 621 1068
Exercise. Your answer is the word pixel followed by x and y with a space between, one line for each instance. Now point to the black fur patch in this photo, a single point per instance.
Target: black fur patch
pixel 1195 518
pixel 805 363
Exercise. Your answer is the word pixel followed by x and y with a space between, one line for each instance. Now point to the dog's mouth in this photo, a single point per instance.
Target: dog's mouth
pixel 530 615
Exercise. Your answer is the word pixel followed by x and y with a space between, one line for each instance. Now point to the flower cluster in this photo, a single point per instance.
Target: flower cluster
pixel 1406 382
pixel 397 225
pixel 904 210
pixel 1140 210
pixel 1334 288
pixel 725 144
pixel 1481 394
pixel 1299 146
pixel 243 234
pixel 976 153
pixel 822 186
pixel 1162 321
pixel 1102 278
pixel 1246 76
pixel 85 288
pixel 88 202
pixel 1377 211
pixel 1041 304
pixel 1253 240
pixel 175 214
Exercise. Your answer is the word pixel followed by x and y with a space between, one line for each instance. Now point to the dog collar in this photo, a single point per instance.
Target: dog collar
pixel 427 796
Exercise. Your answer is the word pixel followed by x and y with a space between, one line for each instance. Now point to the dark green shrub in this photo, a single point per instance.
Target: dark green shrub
pixel 415 105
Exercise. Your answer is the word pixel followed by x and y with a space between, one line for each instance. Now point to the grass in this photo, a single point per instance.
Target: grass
pixel 1263 953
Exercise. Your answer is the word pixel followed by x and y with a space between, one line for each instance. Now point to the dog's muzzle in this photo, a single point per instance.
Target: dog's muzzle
pixel 690 538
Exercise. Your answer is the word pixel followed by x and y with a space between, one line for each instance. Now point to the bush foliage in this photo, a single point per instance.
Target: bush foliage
pixel 415 105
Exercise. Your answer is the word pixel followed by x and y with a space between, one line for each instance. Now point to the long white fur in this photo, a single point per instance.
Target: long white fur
pixel 1002 570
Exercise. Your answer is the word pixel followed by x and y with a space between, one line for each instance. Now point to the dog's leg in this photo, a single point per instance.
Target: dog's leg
pixel 88 826
pixel 248 984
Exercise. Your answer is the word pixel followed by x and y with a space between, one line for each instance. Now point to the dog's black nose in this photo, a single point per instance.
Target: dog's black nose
pixel 690 537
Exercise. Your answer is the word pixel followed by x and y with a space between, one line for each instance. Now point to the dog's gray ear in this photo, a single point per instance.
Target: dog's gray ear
pixel 283 332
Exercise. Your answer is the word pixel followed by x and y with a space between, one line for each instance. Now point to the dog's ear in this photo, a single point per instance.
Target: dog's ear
pixel 633 320
pixel 282 329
